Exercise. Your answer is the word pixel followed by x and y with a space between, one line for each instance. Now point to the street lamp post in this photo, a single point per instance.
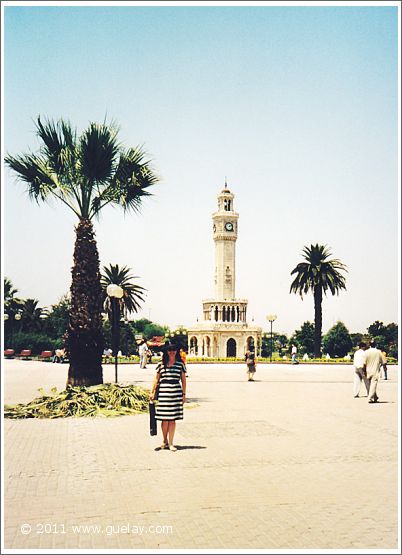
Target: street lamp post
pixel 11 318
pixel 17 317
pixel 43 316
pixel 6 317
pixel 115 293
pixel 271 318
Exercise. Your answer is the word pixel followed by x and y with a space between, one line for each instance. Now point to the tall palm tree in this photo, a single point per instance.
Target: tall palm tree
pixel 318 274
pixel 85 173
pixel 133 294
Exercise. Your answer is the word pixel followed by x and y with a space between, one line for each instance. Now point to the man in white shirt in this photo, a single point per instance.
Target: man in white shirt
pixel 374 360
pixel 143 351
pixel 359 366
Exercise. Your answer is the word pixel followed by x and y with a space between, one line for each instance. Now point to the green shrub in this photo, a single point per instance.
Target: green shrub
pixel 337 341
pixel 37 342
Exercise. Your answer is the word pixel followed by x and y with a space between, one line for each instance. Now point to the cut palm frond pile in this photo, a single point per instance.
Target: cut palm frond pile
pixel 99 400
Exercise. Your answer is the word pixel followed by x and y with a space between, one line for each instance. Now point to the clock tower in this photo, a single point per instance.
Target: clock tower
pixel 225 236
pixel 224 331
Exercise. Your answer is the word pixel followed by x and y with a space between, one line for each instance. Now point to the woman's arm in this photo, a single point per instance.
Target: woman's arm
pixel 153 389
pixel 184 384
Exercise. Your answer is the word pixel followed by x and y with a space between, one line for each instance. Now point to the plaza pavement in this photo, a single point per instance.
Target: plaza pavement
pixel 291 461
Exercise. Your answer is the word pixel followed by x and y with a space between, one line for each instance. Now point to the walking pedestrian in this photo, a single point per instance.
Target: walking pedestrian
pixel 143 352
pixel 171 377
pixel 374 360
pixel 384 365
pixel 294 354
pixel 251 365
pixel 359 363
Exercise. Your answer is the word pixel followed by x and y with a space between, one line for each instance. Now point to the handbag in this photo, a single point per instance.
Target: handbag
pixel 153 429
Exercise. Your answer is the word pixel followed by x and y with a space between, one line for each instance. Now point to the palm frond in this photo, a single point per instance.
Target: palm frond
pixel 35 172
pixel 98 151
pixel 59 144
pixel 132 177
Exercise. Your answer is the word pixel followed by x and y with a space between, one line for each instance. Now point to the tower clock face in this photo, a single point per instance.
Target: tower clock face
pixel 229 226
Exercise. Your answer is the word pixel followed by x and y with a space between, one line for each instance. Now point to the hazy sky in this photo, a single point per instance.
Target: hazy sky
pixel 297 106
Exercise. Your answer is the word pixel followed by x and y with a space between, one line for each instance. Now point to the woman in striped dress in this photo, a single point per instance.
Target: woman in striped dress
pixel 171 376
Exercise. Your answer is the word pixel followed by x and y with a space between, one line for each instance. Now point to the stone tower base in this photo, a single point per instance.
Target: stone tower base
pixel 222 340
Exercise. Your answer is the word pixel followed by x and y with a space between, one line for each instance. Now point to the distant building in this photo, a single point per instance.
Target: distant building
pixel 224 331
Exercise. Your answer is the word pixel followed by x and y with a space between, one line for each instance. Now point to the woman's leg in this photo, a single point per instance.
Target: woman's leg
pixel 171 431
pixel 165 427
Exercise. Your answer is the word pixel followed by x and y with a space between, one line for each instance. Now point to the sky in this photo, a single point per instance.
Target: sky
pixel 296 106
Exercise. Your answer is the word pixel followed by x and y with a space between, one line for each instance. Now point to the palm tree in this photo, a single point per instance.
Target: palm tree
pixel 133 294
pixel 11 303
pixel 85 173
pixel 9 291
pixel 12 306
pixel 31 315
pixel 318 274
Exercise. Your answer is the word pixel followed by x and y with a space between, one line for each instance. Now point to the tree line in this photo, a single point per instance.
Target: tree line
pixel 44 329
pixel 338 342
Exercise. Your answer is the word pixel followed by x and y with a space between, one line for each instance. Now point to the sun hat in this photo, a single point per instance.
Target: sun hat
pixel 170 347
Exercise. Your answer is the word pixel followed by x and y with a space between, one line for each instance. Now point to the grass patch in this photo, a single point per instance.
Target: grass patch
pixel 105 400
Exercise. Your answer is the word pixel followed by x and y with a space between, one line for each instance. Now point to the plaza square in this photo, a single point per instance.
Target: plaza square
pixel 291 461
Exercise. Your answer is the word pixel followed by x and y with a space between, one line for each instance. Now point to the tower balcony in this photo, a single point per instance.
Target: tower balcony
pixel 231 311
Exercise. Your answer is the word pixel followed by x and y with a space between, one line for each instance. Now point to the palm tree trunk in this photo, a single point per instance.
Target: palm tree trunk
pixel 317 320
pixel 84 337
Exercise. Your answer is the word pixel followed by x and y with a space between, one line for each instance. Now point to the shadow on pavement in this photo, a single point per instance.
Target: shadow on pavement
pixel 181 447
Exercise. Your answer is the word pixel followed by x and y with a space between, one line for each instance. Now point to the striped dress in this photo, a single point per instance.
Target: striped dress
pixel 170 400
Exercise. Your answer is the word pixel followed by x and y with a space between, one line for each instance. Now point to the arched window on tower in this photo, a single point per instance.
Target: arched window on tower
pixel 216 313
pixel 237 313
pixel 224 314
pixel 193 346
pixel 231 347
pixel 233 314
